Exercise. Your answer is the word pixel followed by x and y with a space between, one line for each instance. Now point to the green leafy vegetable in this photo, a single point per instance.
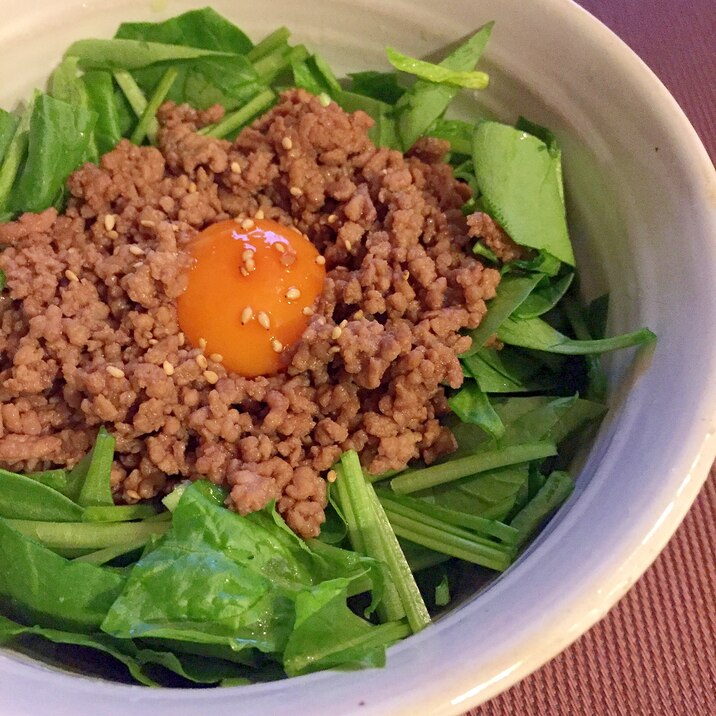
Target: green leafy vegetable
pixel 457 132
pixel 471 405
pixel 425 101
pixel 232 122
pixel 442 592
pixel 101 99
pixel 537 334
pixel 12 159
pixel 8 124
pixel 437 73
pixel 58 141
pixel 148 125
pixel 545 296
pixel 24 498
pixel 96 489
pixel 520 183
pixel 384 132
pixel 118 513
pixel 508 371
pixel 383 86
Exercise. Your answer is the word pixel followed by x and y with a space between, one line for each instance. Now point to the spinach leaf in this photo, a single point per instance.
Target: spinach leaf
pixel 546 295
pixel 547 136
pixel 51 590
pixel 383 86
pixel 58 142
pixel 439 74
pixel 508 371
pixel 148 125
pixel 27 499
pixel 12 160
pixel 537 334
pixel 457 132
pixel 425 101
pixel 8 124
pixel 328 635
pixel 442 592
pixel 221 579
pixel 121 651
pixel 471 405
pixel 96 489
pixel 102 100
pixel 203 28
pixel 520 183
pixel 511 292
pixel 384 132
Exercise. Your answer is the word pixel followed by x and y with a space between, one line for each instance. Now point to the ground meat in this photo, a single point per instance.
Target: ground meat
pixel 89 318
pixel 484 227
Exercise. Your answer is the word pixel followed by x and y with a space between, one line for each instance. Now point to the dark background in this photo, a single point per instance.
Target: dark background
pixel 655 652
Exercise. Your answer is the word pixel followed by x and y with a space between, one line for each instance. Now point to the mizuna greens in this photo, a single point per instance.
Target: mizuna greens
pixel 185 591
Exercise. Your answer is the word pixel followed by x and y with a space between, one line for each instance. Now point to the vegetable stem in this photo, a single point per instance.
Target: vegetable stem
pixel 148 125
pixel 271 42
pixel 241 116
pixel 414 480
pixel 133 93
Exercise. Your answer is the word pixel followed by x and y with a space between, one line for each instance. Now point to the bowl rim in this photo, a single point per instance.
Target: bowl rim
pixel 459 688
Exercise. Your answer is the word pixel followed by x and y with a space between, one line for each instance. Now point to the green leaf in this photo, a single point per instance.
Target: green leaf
pixel 508 371
pixel 547 136
pixel 438 74
pixel 383 86
pixel 276 40
pixel 520 183
pixel 27 499
pixel 537 334
pixel 457 132
pixel 384 131
pixel 97 490
pixel 425 101
pixel 148 125
pixel 58 142
pixel 328 635
pixel 203 28
pixel 511 292
pixel 51 590
pixel 471 405
pixel 122 652
pixel 8 124
pixel 132 54
pixel 234 121
pixel 102 100
pixel 12 160
pixel 556 489
pixel 545 296
pixel 442 592
pixel 118 513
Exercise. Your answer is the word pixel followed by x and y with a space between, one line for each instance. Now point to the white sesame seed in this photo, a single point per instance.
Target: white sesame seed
pixel 216 357
pixel 293 293
pixel 153 341
pixel 406 275
pixel 320 260
pixel 276 345
pixel 113 234
pixel 358 315
pixel 109 221
pixel 247 224
pixel 239 218
pixel 324 99
pixel 192 188
pixel 136 250
pixel 202 344
pixel 280 248
pixel 175 227
pixel 132 495
pixel 259 215
pixel 250 265
pixel 246 315
pixel 181 338
pixel 295 191
pixel 343 323
pixel 349 245
pixel 211 377
pixel 236 167
pixel 287 259
pixel 137 264
pixel 336 333
pixel 308 311
pixel 115 372
pixel 168 367
pixel 244 272
pixel 71 275
pixel 334 349
pixel 286 143
pixel 201 361
pixel 147 222
pixel 332 218
pixel 247 254
pixel 264 320
pixel 332 476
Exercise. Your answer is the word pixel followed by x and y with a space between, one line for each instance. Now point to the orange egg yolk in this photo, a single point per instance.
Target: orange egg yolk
pixel 250 292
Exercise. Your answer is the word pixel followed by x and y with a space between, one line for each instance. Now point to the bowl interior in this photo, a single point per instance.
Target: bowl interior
pixel 641 195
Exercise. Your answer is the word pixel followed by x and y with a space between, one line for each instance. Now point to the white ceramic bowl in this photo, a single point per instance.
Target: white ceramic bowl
pixel 642 195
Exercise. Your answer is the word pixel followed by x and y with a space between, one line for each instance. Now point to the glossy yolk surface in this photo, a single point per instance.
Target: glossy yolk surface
pixel 250 289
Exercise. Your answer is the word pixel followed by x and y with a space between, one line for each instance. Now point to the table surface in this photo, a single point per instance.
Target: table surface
pixel 655 652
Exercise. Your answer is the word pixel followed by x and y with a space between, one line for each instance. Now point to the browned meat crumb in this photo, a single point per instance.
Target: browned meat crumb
pixel 484 227
pixel 88 323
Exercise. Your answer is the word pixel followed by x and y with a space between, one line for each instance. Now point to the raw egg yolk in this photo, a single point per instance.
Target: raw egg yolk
pixel 250 292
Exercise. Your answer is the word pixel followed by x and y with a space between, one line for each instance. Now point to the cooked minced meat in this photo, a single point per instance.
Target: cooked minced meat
pixel 89 317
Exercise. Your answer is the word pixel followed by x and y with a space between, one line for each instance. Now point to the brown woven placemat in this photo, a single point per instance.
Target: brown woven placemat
pixel 655 652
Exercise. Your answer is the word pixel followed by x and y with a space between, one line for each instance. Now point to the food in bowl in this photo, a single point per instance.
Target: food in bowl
pixel 229 296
